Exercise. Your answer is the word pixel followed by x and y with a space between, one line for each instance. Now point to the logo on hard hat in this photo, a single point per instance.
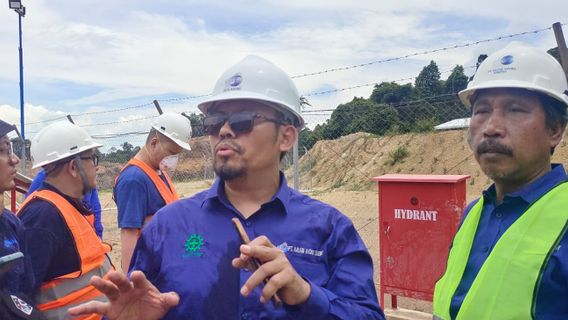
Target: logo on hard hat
pixel 234 82
pixel 507 60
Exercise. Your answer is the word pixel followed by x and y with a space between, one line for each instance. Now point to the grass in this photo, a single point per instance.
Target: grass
pixel 397 155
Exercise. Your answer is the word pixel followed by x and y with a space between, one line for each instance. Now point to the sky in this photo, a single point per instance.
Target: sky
pixel 105 62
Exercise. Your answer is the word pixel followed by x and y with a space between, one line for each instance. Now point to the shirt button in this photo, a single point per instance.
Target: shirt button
pixel 245 316
pixel 498 214
pixel 485 249
pixel 248 223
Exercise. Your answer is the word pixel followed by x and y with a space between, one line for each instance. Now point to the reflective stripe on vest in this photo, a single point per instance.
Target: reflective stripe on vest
pixel 73 288
pixel 168 194
pixel 55 300
pixel 507 284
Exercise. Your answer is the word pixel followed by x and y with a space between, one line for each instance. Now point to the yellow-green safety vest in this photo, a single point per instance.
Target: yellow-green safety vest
pixel 507 283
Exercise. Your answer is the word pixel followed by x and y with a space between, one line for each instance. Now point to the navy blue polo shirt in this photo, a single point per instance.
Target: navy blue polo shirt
pixel 136 197
pixel 188 247
pixel 494 221
pixel 18 279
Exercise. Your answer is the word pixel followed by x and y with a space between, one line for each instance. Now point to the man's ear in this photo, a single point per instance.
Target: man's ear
pixel 556 134
pixel 153 142
pixel 72 168
pixel 289 135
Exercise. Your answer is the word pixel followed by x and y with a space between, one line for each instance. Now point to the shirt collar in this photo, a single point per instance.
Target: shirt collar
pixel 217 191
pixel 82 206
pixel 536 189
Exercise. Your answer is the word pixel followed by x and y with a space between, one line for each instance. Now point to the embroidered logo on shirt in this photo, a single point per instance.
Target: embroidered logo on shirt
pixel 285 247
pixel 193 246
pixel 22 305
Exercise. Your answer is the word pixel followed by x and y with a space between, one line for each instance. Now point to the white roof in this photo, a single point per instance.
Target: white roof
pixel 454 124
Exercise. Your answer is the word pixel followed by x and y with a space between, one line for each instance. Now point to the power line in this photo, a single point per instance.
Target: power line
pixel 422 53
pixel 184 98
pixel 120 108
pixel 311 74
pixel 112 110
pixel 370 84
pixel 48 120
pixel 116 135
pixel 116 122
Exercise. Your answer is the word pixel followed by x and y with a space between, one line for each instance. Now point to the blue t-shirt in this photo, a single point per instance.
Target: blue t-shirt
pixel 92 198
pixel 188 247
pixel 494 221
pixel 19 278
pixel 136 197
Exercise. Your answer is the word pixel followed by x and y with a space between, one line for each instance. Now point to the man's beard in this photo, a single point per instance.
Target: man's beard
pixel 225 172
pixel 222 169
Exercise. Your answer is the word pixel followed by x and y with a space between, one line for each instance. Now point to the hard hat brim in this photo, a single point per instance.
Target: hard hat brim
pixel 465 95
pixel 67 155
pixel 179 142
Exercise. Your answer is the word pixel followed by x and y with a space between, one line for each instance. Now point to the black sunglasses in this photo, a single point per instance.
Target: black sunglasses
pixel 94 158
pixel 240 122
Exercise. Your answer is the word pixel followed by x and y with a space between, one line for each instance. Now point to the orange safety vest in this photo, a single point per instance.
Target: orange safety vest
pixel 168 194
pixel 59 294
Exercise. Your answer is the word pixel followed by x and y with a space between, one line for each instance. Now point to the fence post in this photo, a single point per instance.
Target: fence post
pixel 557 27
pixel 295 157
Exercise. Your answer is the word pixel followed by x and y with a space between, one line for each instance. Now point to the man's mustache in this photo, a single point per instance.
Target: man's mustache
pixel 492 146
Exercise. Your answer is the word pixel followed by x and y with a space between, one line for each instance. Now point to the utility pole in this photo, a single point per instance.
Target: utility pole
pixel 17 6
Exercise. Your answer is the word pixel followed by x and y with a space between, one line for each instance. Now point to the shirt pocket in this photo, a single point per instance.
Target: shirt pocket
pixel 316 272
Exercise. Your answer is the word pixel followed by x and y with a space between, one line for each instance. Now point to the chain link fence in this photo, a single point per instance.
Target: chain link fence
pixel 391 109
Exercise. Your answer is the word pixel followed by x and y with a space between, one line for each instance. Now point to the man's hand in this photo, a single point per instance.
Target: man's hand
pixel 128 300
pixel 281 275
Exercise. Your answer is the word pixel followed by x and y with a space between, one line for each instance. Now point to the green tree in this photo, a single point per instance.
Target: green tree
pixel 391 93
pixel 457 81
pixel 196 124
pixel 306 139
pixel 121 155
pixel 427 83
pixel 127 147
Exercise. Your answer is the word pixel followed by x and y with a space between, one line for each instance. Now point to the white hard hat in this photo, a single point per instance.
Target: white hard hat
pixel 174 126
pixel 255 78
pixel 519 65
pixel 58 141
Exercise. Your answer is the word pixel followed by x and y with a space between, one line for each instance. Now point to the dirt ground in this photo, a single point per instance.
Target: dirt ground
pixel 360 206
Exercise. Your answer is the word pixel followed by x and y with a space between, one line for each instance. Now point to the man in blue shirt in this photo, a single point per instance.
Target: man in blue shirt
pixel 312 256
pixel 142 187
pixel 16 277
pixel 91 199
pixel 509 259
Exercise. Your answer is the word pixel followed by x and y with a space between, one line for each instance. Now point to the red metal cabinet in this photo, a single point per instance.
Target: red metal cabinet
pixel 418 217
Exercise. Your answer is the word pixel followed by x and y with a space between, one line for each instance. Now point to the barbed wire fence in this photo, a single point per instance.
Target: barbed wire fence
pixel 393 107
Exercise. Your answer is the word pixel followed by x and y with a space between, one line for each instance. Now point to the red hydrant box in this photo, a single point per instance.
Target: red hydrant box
pixel 418 217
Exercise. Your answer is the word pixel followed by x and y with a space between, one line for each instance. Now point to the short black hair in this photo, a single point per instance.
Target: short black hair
pixel 155 133
pixel 554 113
pixel 554 110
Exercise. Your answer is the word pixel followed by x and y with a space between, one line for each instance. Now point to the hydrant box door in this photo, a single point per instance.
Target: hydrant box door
pixel 417 224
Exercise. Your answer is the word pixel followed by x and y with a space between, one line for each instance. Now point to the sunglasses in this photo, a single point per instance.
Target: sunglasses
pixel 94 158
pixel 240 122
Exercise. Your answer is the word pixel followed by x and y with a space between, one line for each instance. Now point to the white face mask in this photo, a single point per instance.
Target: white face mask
pixel 169 163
